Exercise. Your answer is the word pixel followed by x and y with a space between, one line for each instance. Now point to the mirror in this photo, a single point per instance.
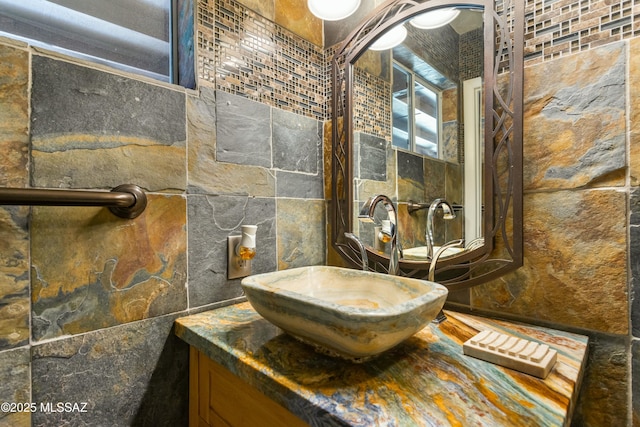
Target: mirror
pixel 410 122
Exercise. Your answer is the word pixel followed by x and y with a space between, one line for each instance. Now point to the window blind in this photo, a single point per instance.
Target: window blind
pixel 134 35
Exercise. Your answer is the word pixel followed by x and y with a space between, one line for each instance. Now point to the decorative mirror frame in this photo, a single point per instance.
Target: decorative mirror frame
pixel 503 53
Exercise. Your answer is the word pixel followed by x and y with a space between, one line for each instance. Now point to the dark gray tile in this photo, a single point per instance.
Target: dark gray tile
pixel 373 157
pixel 634 206
pixel 15 384
pixel 297 142
pixel 411 167
pixel 211 220
pixel 603 397
pixel 299 185
pixel 70 98
pixel 136 374
pixel 243 131
pixel 635 381
pixel 92 129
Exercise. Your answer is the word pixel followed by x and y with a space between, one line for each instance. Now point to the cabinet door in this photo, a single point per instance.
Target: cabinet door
pixel 225 400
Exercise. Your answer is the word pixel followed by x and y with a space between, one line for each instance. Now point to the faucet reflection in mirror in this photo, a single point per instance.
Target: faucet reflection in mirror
pixel 364 259
pixel 365 161
pixel 448 213
pixel 441 317
pixel 367 215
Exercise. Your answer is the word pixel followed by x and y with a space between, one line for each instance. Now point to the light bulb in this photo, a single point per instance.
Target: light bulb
pixel 435 18
pixel 390 39
pixel 333 10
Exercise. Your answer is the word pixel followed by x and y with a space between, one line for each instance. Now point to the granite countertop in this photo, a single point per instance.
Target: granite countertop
pixel 426 380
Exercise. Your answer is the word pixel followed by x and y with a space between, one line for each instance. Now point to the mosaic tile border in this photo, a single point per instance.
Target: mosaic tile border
pixel 556 28
pixel 245 54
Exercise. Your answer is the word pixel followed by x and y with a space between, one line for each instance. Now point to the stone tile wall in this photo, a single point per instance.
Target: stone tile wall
pixel 88 300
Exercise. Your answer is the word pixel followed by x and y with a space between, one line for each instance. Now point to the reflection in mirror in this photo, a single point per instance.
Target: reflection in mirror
pixel 430 148
pixel 434 123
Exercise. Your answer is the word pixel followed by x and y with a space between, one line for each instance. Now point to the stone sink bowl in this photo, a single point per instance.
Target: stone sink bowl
pixel 347 313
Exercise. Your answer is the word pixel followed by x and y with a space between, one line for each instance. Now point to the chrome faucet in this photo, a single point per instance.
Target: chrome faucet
pixel 441 317
pixel 363 252
pixel 448 214
pixel 367 215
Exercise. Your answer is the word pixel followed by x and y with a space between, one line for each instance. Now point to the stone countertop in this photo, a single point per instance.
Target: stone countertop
pixel 426 380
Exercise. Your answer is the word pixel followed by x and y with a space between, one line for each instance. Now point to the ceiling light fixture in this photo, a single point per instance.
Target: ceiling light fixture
pixel 333 10
pixel 390 39
pixel 435 18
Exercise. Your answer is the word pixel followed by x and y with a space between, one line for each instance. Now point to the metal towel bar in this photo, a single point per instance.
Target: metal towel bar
pixel 125 201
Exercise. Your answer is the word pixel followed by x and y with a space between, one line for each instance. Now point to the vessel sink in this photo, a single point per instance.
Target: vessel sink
pixel 342 312
pixel 420 252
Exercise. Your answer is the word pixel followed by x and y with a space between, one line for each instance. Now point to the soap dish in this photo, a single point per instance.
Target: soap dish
pixel 512 352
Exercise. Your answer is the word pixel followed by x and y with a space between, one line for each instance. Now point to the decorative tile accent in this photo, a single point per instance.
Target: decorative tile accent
pixel 98 281
pixel 372 104
pixel 258 59
pixel 211 220
pixel 575 123
pixel 14 277
pixel 136 374
pixel 91 129
pixel 559 28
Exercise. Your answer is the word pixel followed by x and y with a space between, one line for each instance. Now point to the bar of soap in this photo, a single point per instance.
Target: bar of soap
pixel 512 352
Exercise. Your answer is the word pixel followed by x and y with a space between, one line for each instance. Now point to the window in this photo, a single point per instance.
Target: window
pixel 416 113
pixel 132 35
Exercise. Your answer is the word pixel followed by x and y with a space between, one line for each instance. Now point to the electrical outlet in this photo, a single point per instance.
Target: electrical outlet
pixel 236 268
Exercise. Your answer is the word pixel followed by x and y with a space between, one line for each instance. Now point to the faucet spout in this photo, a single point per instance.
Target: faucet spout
pixel 367 215
pixel 448 212
pixel 441 317
pixel 363 251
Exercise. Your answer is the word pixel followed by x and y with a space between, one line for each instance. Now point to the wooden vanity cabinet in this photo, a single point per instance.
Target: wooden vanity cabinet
pixel 219 398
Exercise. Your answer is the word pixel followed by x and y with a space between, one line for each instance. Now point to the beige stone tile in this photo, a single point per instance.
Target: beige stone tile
pixel 294 15
pixel 301 233
pixel 91 269
pixel 634 110
pixel 14 277
pixel 264 8
pixel 205 174
pixel 575 120
pixel 575 263
pixel 144 165
pixel 14 116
